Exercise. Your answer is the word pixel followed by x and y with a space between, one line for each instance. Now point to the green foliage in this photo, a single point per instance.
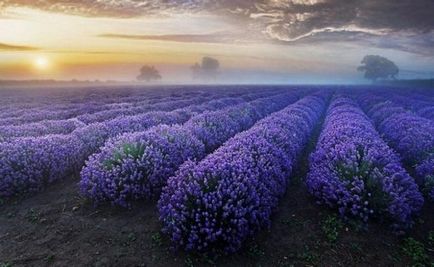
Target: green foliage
pixel 431 238
pixel 255 251
pixel 308 256
pixel 331 227
pixel 134 151
pixel 33 216
pixel 132 237
pixel 188 262
pixel 50 258
pixel 429 184
pixel 157 240
pixel 416 251
pixel 363 169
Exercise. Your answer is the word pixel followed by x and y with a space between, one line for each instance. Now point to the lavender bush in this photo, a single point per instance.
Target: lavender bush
pixel 148 173
pixel 409 134
pixel 121 171
pixel 354 171
pixel 29 164
pixel 217 203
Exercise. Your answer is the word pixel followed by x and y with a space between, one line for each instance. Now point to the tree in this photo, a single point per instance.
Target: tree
pixel 148 73
pixel 209 69
pixel 377 67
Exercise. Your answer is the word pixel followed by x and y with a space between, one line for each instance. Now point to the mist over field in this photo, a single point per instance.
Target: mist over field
pixel 261 41
pixel 216 133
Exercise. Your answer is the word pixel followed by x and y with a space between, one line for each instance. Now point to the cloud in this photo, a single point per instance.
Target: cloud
pixel 182 38
pixel 286 21
pixel 103 8
pixel 291 20
pixel 9 47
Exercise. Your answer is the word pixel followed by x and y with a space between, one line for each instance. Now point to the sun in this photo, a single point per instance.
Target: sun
pixel 41 63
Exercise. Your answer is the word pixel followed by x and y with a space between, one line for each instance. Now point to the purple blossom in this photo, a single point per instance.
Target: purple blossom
pixel 31 163
pixel 227 197
pixel 409 134
pixel 354 171
pixel 158 159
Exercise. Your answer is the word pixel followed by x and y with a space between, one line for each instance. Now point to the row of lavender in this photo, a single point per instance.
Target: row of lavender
pixel 409 134
pixel 136 166
pixel 422 105
pixel 29 164
pixel 67 126
pixel 44 120
pixel 58 99
pixel 220 201
pixel 69 106
pixel 46 127
pixel 51 108
pixel 355 171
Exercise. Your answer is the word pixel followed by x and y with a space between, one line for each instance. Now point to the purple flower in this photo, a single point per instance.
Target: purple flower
pixel 31 163
pixel 354 171
pixel 219 202
pixel 117 176
pixel 409 134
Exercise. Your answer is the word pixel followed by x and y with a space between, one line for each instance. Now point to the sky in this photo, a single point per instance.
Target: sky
pixel 255 41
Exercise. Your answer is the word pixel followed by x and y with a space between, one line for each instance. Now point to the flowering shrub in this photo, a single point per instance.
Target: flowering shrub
pixel 353 170
pixel 219 202
pixel 147 173
pixel 412 137
pixel 40 128
pixel 134 165
pixel 425 171
pixel 29 164
pixel 427 112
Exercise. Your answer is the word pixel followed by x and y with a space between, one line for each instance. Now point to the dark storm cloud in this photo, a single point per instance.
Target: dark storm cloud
pixel 292 20
pixel 9 47
pixel 282 20
pixel 421 44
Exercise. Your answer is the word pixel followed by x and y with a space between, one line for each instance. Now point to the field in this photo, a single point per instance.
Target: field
pixel 217 176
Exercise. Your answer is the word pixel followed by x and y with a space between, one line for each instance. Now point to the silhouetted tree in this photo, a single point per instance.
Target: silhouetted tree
pixel 377 67
pixel 148 73
pixel 209 69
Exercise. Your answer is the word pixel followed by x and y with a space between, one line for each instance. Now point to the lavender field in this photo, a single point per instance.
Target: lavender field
pixel 217 176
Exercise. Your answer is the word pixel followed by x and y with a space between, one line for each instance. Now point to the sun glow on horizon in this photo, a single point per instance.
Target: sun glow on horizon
pixel 41 63
pixel 40 43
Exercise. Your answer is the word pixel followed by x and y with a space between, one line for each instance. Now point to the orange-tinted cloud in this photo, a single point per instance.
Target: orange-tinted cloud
pixel 10 47
pixel 286 20
pixel 182 38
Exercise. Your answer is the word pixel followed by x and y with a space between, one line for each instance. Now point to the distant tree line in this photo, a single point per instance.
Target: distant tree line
pixel 374 67
pixel 207 70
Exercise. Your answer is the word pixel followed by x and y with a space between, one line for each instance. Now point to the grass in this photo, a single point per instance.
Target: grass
pixel 309 256
pixel 331 227
pixel 255 251
pixel 415 250
pixel 132 237
pixel 188 262
pixel 157 239
pixel 50 258
pixel 431 238
pixel 33 216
